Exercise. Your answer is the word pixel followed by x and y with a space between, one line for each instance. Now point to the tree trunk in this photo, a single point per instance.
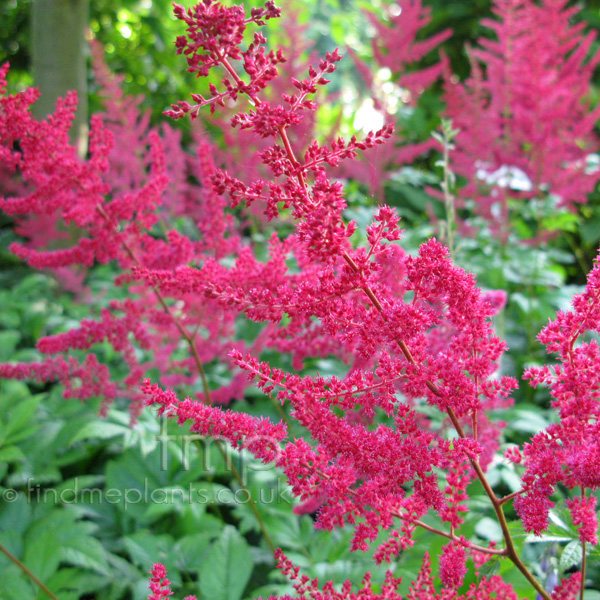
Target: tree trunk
pixel 59 59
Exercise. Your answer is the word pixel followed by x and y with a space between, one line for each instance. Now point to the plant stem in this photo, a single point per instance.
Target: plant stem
pixel 510 497
pixel 455 538
pixel 510 551
pixel 448 197
pixel 27 572
pixel 583 570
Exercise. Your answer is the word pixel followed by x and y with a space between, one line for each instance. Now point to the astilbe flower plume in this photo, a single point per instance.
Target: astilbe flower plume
pixel 360 470
pixel 524 114
pixel 567 452
pixel 115 199
pixel 160 586
pixel 395 46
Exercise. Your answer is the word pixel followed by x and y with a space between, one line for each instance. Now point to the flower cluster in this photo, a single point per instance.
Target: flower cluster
pixel 396 46
pixel 159 585
pixel 568 452
pixel 389 448
pixel 521 111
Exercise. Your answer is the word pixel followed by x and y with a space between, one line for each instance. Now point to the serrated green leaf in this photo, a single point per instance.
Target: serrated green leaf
pixel 191 550
pixel 571 555
pixel 20 415
pixel 74 583
pixel 87 553
pixel 227 568
pixel 146 549
pixel 99 429
pixel 40 555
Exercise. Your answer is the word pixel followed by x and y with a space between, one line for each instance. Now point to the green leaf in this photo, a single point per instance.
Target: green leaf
pixel 225 572
pixel 14 516
pixel 74 583
pixel 41 555
pixel 86 552
pixel 99 429
pixel 146 549
pixel 491 567
pixel 15 586
pixel 191 550
pixel 571 555
pixel 8 343
pixel 20 416
pixel 565 221
pixel 13 542
pixel 11 454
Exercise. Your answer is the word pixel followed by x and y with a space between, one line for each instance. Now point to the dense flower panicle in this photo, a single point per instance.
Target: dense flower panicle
pixel 567 452
pixel 583 511
pixel 372 468
pixel 258 435
pixel 364 471
pixel 160 586
pixel 320 225
pixel 524 129
pixel 114 198
pixel 568 589
pixel 453 566
pixel 214 33
pixel 82 380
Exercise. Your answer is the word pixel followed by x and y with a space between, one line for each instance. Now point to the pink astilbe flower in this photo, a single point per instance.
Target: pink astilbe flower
pixel 567 452
pixel 583 511
pixel 160 586
pixel 401 436
pixel 453 566
pixel 568 589
pixel 114 199
pixel 520 114
pixel 258 435
pixel 395 47
pixel 422 589
pixel 439 345
pixel 93 378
